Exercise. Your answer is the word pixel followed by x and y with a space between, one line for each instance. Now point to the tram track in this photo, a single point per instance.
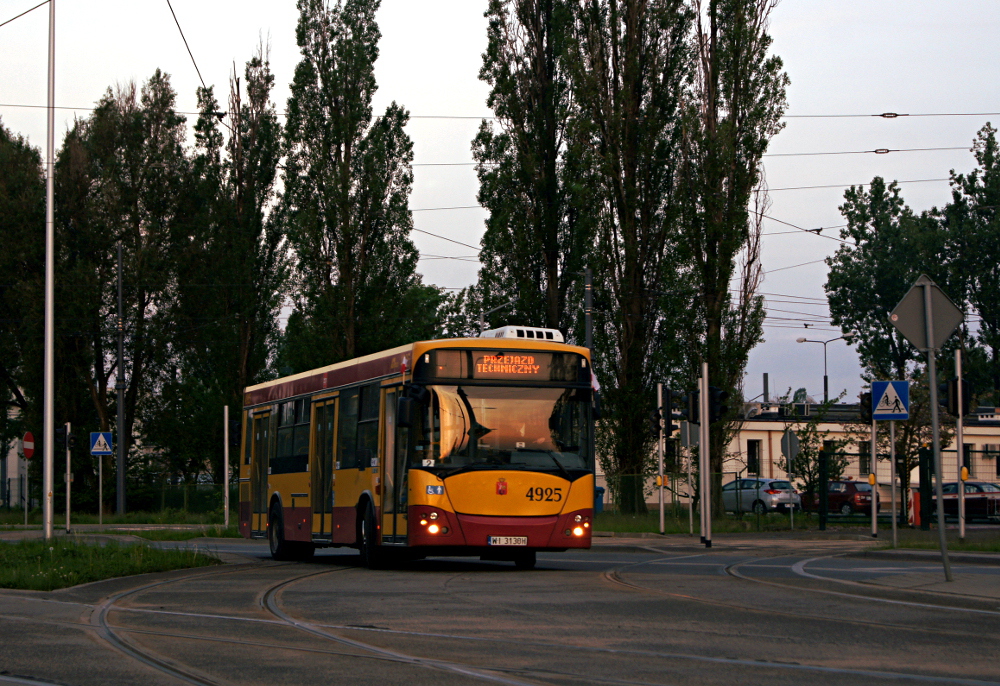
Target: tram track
pixel 269 600
pixel 614 577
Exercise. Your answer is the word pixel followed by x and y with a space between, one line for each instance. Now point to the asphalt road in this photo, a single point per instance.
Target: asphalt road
pixel 627 612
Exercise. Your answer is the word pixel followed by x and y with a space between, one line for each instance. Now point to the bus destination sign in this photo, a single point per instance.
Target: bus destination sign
pixel 507 367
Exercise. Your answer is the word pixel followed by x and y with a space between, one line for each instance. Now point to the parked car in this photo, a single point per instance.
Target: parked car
pixel 846 497
pixel 760 496
pixel 982 499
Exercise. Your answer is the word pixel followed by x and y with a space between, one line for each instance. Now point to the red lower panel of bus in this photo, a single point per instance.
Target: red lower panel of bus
pixel 245 518
pixel 298 526
pixel 555 531
pixel 345 525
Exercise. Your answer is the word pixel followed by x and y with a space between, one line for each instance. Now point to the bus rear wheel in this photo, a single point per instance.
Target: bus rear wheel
pixel 372 556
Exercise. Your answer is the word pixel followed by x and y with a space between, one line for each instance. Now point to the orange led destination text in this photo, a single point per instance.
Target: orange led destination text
pixel 508 364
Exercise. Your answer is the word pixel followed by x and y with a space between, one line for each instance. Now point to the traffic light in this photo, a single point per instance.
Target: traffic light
pixel 717 409
pixel 654 423
pixel 689 409
pixel 234 433
pixel 866 408
pixel 672 411
pixel 948 397
pixel 61 437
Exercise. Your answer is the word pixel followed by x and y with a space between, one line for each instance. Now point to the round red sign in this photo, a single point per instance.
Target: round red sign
pixel 28 445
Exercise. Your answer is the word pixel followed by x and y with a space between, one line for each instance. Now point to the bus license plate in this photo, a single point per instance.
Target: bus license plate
pixel 508 540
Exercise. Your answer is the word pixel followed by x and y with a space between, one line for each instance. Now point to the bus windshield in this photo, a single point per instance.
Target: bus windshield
pixel 486 427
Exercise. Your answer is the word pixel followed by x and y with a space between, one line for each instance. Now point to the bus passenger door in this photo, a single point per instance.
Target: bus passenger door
pixel 258 469
pixel 393 475
pixel 322 469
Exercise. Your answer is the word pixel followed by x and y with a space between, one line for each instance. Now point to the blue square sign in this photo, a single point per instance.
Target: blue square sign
pixel 890 400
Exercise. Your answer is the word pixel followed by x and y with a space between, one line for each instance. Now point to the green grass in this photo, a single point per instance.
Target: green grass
pixel 41 565
pixel 14 517
pixel 214 531
pixel 976 540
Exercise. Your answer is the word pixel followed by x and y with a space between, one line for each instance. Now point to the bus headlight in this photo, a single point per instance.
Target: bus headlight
pixel 432 515
pixel 578 518
pixel 433 529
pixel 578 531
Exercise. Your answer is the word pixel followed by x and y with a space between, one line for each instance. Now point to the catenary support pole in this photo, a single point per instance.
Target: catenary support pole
pixel 960 443
pixel 48 411
pixel 892 481
pixel 935 431
pixel 120 388
pixel 225 462
pixel 706 454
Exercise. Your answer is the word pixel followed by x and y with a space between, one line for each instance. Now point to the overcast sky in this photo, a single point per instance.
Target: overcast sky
pixel 844 57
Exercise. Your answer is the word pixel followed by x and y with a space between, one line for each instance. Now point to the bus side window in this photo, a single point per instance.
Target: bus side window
pixel 348 433
pixel 368 425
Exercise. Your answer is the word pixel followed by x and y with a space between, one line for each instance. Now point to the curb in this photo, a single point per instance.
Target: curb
pixel 930 556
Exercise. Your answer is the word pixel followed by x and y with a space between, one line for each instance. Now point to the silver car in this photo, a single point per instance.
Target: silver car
pixel 760 496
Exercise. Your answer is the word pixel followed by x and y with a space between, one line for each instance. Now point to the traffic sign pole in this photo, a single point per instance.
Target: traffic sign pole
pixel 225 465
pixel 873 478
pixel 659 448
pixel 960 439
pixel 69 473
pixel 936 431
pixel 892 480
pixel 927 320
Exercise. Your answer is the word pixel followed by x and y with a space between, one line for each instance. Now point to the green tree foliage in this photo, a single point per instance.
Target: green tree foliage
pixel 731 112
pixel 629 62
pixel 813 440
pixel 889 248
pixel 532 177
pixel 347 184
pixel 972 222
pixel 22 218
pixel 232 275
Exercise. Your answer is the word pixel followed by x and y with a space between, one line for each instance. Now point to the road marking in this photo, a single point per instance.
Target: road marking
pixel 799 568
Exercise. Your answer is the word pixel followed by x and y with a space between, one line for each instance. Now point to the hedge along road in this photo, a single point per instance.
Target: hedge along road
pixel 747 611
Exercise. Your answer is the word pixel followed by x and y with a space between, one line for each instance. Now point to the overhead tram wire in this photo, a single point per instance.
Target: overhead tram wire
pixel 44 2
pixel 179 29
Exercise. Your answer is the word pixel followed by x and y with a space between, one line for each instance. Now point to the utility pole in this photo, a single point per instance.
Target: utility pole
pixel 69 471
pixel 48 410
pixel 120 388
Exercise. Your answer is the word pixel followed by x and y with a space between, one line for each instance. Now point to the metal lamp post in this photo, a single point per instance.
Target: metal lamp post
pixel 826 379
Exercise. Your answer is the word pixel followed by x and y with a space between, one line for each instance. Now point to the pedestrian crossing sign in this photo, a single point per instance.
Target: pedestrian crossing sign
pixel 100 443
pixel 892 400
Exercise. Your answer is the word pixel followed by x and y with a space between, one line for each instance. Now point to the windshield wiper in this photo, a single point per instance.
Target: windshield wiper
pixel 551 454
pixel 485 466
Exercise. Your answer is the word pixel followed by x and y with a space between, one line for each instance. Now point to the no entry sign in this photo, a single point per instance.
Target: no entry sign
pixel 28 445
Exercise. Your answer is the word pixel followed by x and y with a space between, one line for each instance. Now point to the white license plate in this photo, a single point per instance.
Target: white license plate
pixel 508 540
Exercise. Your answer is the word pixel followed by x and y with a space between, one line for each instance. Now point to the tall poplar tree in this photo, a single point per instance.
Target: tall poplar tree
pixel 630 61
pixel 731 112
pixel 531 175
pixel 347 184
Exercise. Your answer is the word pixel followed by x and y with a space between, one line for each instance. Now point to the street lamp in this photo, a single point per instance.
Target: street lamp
pixel 826 380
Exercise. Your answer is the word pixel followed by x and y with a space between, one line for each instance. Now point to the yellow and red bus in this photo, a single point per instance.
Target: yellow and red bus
pixel 474 447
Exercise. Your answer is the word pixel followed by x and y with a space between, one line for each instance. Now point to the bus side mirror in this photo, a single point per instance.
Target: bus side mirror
pixel 404 412
pixel 596 403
